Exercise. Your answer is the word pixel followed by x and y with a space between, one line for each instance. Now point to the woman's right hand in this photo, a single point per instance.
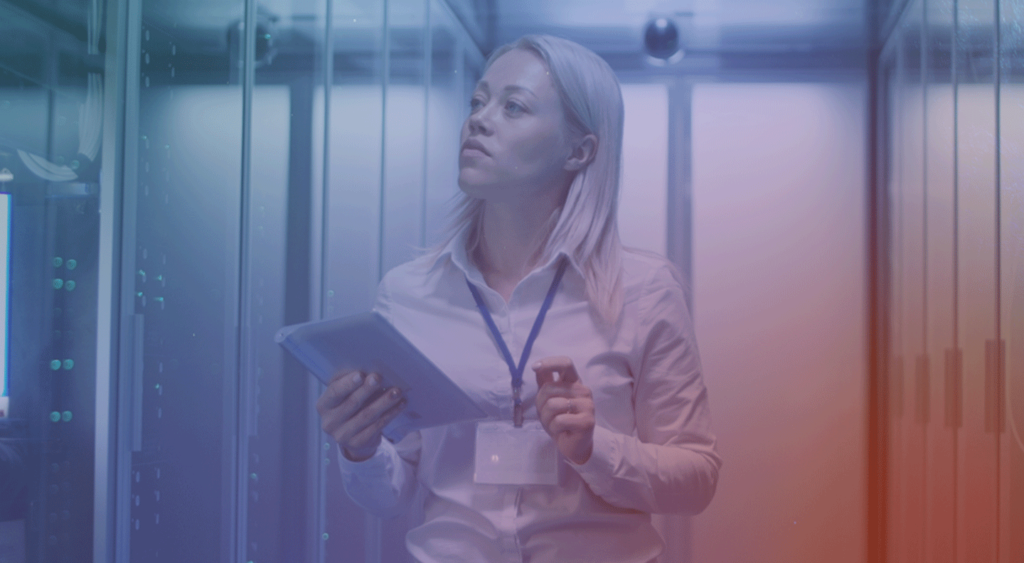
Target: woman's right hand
pixel 355 422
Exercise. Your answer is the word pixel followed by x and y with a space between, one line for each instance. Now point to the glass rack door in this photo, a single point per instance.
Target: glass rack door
pixel 53 159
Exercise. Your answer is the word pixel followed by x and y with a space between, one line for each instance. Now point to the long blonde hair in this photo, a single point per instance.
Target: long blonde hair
pixel 587 227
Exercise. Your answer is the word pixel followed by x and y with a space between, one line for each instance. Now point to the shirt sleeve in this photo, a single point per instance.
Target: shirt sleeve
pixel 670 465
pixel 385 483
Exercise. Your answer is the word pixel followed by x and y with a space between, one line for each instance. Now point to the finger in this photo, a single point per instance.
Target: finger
pixel 568 404
pixel 341 386
pixel 371 385
pixel 582 391
pixel 339 414
pixel 547 369
pixel 371 433
pixel 548 392
pixel 571 423
pixel 577 404
pixel 371 412
pixel 547 411
pixel 341 374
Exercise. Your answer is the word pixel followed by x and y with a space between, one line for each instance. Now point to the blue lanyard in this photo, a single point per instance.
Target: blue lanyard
pixel 517 371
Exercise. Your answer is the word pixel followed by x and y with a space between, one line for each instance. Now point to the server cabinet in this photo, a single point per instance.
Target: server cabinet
pixel 892 362
pixel 977 301
pixel 911 215
pixel 51 150
pixel 969 487
pixel 257 170
pixel 940 476
pixel 1011 276
pixel 180 294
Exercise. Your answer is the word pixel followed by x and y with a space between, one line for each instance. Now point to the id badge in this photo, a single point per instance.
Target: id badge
pixel 506 455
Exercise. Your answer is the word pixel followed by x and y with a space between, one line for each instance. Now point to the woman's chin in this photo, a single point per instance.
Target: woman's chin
pixel 473 187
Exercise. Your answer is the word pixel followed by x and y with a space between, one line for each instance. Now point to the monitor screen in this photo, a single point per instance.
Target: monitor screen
pixel 5 265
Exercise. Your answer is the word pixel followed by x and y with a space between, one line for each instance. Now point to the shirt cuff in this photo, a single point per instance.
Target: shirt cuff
pixel 597 471
pixel 374 465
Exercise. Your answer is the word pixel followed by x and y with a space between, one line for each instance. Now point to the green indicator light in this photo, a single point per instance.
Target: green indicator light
pixel 68 364
pixel 70 285
pixel 55 365
pixel 54 416
pixel 139 294
pixel 157 387
pixel 158 299
pixel 72 264
pixel 66 416
pixel 326 536
pixel 57 261
pixel 58 283
pixel 254 477
pixel 327 446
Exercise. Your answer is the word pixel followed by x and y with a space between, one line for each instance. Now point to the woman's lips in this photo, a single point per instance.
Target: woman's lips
pixel 472 147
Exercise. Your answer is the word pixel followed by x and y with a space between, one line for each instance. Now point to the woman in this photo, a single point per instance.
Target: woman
pixel 614 424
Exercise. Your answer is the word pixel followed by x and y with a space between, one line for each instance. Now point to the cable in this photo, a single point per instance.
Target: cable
pixel 90 113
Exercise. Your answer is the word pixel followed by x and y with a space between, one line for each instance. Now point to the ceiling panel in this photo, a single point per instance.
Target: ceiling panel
pixel 705 25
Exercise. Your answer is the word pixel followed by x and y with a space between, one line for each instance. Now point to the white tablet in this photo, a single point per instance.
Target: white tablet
pixel 368 342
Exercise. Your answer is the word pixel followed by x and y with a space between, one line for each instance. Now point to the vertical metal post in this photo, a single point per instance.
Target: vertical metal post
pixel 374 528
pixel 125 429
pixel 428 73
pixel 241 426
pixel 385 78
pixel 1000 350
pixel 679 222
pixel 317 476
pixel 108 270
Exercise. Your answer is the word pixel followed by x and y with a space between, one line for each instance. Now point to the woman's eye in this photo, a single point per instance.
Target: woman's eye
pixel 513 108
pixel 475 104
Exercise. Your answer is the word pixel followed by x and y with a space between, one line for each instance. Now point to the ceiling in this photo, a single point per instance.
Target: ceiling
pixel 614 25
pixel 745 30
pixel 705 25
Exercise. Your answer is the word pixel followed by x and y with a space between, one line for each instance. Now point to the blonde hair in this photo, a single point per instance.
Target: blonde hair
pixel 586 228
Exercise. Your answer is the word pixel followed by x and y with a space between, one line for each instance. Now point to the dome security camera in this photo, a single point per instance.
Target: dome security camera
pixel 661 41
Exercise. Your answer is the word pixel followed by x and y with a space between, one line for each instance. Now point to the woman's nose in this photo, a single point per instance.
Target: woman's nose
pixel 480 121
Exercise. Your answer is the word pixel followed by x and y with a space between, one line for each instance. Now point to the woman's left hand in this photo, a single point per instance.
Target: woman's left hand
pixel 565 407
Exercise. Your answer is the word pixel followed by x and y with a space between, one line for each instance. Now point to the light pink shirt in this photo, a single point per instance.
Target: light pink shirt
pixel 653 447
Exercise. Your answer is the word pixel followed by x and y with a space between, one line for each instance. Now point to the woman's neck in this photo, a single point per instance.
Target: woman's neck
pixel 512 240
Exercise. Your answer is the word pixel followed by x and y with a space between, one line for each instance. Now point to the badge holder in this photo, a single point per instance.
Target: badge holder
pixel 506 455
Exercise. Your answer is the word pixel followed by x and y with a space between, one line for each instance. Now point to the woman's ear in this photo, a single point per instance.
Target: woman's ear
pixel 582 153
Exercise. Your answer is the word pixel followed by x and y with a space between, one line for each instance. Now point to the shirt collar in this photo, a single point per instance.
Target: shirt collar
pixel 455 251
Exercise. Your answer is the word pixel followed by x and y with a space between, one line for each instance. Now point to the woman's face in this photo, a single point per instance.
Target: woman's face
pixel 514 142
